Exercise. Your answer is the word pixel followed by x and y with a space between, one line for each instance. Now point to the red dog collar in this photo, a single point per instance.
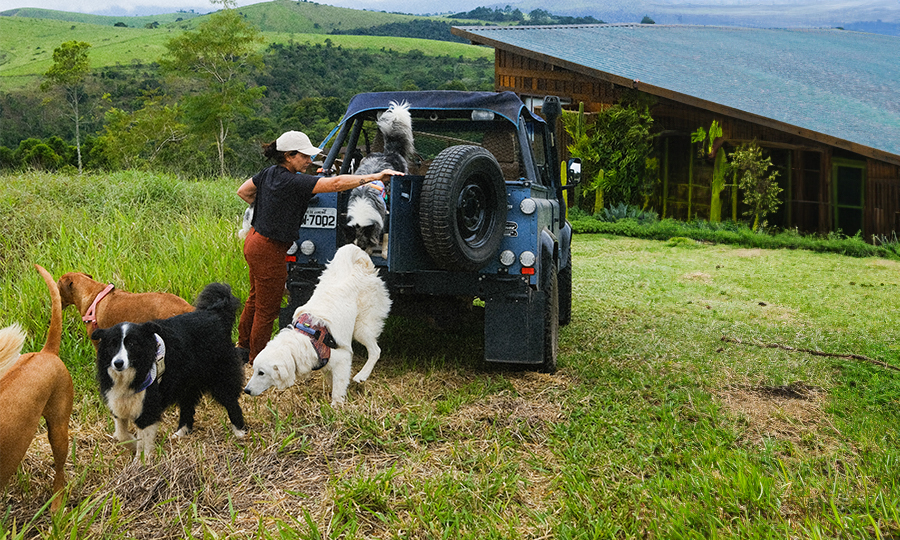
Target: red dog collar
pixel 90 317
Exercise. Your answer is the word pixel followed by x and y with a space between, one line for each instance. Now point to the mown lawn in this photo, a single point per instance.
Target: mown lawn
pixel 654 426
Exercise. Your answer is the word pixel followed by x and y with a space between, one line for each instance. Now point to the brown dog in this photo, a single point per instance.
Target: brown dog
pixel 34 385
pixel 102 306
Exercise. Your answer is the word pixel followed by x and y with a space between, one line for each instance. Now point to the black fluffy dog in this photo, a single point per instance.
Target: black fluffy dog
pixel 144 368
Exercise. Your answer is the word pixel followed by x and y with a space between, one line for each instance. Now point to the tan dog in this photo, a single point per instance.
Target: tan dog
pixel 31 386
pixel 115 306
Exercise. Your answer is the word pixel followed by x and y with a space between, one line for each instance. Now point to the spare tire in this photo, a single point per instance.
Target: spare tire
pixel 462 208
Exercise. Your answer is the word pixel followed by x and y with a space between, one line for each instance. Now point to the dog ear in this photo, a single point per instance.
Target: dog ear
pixel 362 259
pixel 284 378
pixel 153 327
pixel 99 334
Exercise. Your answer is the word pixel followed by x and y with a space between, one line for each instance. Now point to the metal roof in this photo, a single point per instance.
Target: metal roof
pixel 831 85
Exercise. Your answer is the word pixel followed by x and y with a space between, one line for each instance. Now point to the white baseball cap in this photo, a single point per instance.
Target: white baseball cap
pixel 296 141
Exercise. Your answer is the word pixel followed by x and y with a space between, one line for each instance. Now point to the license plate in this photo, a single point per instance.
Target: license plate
pixel 320 218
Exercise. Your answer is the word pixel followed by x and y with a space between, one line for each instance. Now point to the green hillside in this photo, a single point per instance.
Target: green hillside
pixel 138 22
pixel 309 17
pixel 27 44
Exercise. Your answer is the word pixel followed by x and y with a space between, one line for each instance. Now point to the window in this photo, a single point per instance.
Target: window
pixel 849 182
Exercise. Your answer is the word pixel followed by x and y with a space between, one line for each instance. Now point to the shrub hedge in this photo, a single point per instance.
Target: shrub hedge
pixel 729 232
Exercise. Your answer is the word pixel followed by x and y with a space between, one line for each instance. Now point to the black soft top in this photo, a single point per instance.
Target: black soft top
pixel 504 104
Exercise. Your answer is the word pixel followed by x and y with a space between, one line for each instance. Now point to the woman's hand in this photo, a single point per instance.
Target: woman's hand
pixel 379 176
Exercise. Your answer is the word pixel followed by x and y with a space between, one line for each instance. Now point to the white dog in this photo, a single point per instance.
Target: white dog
pixel 350 302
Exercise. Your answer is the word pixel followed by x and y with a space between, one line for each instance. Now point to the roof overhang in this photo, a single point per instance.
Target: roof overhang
pixel 467 32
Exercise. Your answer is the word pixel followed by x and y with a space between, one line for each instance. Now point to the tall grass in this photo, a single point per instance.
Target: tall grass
pixel 654 427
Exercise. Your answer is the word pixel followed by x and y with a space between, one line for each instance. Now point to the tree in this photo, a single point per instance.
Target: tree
pixel 139 139
pixel 540 16
pixel 219 57
pixel 760 187
pixel 68 72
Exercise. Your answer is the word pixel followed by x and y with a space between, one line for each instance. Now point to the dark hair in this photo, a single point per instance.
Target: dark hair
pixel 270 152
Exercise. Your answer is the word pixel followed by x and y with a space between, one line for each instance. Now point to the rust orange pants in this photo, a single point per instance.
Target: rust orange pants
pixel 268 274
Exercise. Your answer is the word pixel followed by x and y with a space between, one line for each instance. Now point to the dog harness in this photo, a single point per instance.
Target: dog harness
pixel 322 341
pixel 158 367
pixel 90 316
pixel 378 185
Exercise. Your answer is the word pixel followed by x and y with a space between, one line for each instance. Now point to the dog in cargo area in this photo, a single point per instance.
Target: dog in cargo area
pixel 367 209
pixel 349 303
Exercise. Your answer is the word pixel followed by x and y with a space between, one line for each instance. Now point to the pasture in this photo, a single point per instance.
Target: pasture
pixel 653 427
pixel 27 44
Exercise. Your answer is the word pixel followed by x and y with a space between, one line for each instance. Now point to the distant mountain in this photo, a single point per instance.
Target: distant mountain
pixel 880 16
pixel 767 13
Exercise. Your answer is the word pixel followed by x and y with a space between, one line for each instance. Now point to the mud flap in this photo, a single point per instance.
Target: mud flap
pixel 514 328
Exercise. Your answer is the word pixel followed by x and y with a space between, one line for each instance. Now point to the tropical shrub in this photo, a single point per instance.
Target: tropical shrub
pixel 612 214
pixel 756 182
pixel 616 151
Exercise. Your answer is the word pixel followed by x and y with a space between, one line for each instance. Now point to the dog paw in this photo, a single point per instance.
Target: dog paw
pixel 359 378
pixel 183 432
pixel 238 433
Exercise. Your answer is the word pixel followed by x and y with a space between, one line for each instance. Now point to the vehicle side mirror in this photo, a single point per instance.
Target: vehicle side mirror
pixel 573 172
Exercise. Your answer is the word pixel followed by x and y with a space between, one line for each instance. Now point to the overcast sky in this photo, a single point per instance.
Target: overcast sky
pixel 843 10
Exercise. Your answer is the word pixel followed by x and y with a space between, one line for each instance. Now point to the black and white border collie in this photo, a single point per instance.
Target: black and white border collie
pixel 144 368
pixel 366 209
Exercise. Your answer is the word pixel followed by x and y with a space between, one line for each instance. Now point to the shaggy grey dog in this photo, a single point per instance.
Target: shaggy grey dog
pixel 367 210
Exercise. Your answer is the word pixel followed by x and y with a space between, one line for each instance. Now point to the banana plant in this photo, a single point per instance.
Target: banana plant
pixel 706 139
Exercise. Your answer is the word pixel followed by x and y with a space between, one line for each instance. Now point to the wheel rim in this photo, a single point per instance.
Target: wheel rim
pixel 472 214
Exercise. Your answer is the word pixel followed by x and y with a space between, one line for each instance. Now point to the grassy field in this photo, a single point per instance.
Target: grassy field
pixel 27 44
pixel 137 21
pixel 654 426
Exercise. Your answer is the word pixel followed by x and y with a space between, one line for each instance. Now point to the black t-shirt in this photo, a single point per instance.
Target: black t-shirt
pixel 281 200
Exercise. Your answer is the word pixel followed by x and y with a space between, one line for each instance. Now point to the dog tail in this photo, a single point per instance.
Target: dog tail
pixel 395 125
pixel 218 297
pixel 54 334
pixel 12 338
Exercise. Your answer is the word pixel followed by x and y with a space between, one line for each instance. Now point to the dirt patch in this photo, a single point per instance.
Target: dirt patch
pixel 773 312
pixel 533 384
pixel 755 252
pixel 697 276
pixel 791 413
pixel 885 263
pixel 509 412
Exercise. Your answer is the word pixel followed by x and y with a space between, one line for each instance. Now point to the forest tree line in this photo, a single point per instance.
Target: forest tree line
pixel 153 115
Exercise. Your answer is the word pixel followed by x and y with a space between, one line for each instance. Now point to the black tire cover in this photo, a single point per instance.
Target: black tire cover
pixel 462 208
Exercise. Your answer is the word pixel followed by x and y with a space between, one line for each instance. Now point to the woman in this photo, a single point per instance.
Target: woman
pixel 280 195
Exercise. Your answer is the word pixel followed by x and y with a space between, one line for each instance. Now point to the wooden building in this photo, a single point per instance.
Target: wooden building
pixel 824 103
